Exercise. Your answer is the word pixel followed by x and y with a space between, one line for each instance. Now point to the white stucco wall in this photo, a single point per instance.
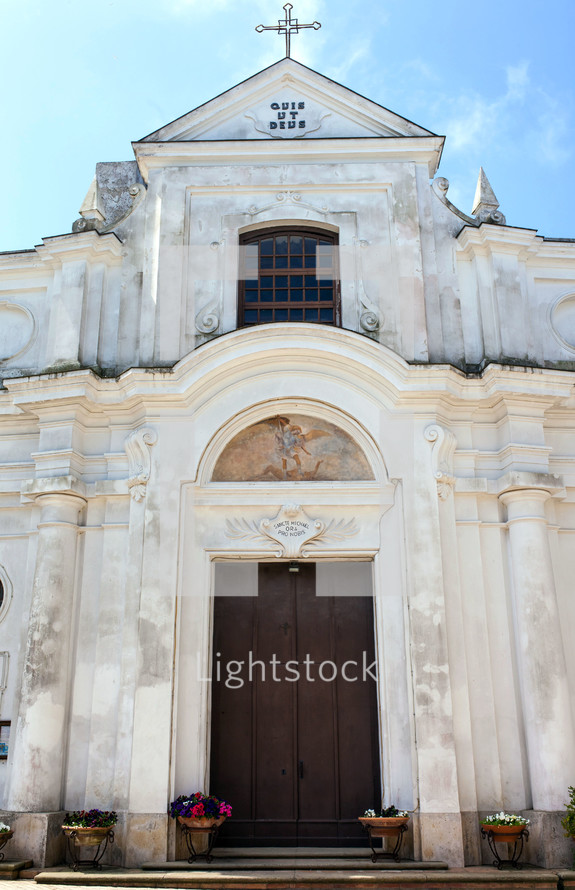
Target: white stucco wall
pixel 453 370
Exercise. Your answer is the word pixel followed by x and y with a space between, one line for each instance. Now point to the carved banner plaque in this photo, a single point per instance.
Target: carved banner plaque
pixel 293 530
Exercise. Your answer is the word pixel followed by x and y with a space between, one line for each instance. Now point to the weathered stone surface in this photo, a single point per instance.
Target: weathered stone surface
pixel 37 836
pixel 452 373
pixel 145 838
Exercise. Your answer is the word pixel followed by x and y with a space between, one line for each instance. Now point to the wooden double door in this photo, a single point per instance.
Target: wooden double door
pixel 294 745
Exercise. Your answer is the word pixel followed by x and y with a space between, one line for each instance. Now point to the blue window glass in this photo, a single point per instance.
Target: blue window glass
pixel 289 276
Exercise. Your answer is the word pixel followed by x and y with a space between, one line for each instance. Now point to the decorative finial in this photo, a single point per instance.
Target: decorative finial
pixel 485 203
pixel 287 26
pixel 91 211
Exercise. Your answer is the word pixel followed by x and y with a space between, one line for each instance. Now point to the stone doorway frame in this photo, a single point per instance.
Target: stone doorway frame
pixel 376 509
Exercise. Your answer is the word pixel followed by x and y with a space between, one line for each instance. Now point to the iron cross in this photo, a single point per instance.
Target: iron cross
pixel 287 26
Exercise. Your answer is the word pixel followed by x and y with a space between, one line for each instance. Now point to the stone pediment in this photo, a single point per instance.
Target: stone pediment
pixel 287 101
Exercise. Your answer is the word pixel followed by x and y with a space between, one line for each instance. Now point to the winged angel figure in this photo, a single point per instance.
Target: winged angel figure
pixel 291 442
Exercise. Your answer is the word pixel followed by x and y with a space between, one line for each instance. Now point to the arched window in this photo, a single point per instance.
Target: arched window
pixel 288 274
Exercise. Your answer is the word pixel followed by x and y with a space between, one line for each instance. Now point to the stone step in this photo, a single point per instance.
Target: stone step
pixel 301 863
pixel 10 868
pixel 382 878
pixel 298 853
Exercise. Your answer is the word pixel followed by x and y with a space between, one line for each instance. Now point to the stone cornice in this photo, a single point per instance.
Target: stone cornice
pixel 514 480
pixel 78 246
pixel 526 244
pixel 158 155
pixel 64 248
pixel 343 357
pixel 487 239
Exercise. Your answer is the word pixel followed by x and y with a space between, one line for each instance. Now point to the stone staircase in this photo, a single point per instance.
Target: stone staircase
pixel 310 869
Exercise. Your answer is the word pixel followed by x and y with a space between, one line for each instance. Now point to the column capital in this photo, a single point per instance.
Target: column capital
pixel 525 503
pixel 517 481
pixel 60 497
pixel 57 486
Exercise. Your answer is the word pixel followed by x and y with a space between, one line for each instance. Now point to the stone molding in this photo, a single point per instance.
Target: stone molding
pixel 560 326
pixel 137 446
pixel 4 667
pixel 443 444
pixel 24 335
pixel 439 187
pixel 8 589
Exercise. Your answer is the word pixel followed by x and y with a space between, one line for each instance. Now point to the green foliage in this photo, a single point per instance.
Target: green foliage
pixel 568 822
pixel 389 811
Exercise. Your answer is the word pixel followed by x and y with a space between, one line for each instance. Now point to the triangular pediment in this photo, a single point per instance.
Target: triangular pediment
pixel 287 101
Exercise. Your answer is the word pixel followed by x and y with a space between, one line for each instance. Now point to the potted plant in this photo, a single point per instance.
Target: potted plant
pixel 389 822
pixel 5 834
pixel 505 826
pixel 89 828
pixel 200 816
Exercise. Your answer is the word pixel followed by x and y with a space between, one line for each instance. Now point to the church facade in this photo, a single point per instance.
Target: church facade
pixel 275 398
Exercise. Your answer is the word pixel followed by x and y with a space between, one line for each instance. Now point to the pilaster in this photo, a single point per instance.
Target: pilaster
pixel 544 689
pixel 41 729
pixel 440 817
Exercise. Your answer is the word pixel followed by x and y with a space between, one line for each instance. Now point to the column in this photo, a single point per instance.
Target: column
pixel 40 737
pixel 543 678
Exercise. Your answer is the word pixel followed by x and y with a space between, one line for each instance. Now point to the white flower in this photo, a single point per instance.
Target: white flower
pixel 505 819
pixel 4 827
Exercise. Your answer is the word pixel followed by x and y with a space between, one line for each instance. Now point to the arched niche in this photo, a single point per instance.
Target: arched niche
pixel 292 442
pixel 292 448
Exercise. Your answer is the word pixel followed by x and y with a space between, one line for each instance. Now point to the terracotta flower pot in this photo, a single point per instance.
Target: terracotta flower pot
pixel 201 822
pixel 508 833
pixel 86 837
pixel 384 826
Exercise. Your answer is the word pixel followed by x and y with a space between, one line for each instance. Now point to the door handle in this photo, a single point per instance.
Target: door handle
pixel 301 769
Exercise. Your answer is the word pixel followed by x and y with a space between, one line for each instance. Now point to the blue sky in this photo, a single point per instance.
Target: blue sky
pixel 83 78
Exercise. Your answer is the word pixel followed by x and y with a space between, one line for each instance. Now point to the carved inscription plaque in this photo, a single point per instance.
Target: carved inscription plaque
pixel 288 115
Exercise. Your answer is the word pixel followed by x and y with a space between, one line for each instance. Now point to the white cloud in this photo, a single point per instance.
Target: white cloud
pixel 517 81
pixel 475 117
pixel 551 135
pixel 545 136
pixel 357 53
pixel 472 120
pixel 421 69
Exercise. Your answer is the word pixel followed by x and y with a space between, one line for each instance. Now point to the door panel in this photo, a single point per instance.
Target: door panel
pixel 273 733
pixel 298 761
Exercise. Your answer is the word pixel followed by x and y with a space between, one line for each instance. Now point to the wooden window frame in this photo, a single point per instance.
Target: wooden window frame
pixel 255 237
